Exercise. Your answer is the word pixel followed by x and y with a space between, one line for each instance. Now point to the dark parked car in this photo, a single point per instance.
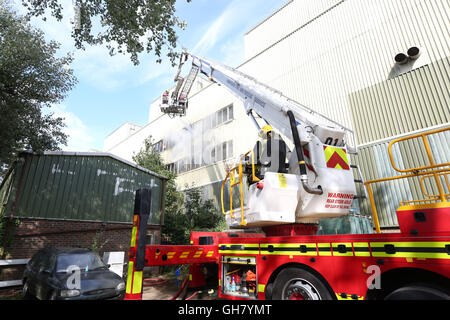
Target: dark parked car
pixel 70 274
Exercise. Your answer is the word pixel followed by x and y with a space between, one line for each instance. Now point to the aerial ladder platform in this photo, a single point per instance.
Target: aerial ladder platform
pixel 289 191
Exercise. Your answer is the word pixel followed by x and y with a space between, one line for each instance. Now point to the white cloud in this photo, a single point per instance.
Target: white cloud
pixel 79 138
pixel 221 27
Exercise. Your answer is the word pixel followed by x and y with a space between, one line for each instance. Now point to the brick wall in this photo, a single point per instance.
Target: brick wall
pixel 33 234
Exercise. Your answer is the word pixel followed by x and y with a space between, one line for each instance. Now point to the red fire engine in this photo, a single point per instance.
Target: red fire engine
pixel 287 259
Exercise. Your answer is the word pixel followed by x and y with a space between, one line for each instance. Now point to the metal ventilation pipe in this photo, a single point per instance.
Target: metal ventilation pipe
pixel 401 58
pixel 414 53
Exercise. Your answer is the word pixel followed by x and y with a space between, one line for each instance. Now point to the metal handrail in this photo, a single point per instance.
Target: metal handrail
pixel 431 170
pixel 423 135
pixel 422 186
pixel 372 201
pixel 231 175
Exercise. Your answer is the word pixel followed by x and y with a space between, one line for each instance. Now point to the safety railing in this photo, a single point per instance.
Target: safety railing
pixel 432 170
pixel 231 176
pixel 435 196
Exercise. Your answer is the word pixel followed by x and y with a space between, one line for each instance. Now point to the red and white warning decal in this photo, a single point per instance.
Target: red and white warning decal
pixel 339 200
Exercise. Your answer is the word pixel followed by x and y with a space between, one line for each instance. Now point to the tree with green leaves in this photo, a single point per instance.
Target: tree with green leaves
pixel 184 211
pixel 127 26
pixel 31 78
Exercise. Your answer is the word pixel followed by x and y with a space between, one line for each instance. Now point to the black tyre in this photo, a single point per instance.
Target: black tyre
pixel 26 295
pixel 299 284
pixel 418 292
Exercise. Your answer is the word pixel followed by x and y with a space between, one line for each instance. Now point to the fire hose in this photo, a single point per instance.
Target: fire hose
pixel 184 286
pixel 153 281
pixel 157 281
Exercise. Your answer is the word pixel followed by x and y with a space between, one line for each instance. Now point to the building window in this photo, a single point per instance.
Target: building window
pixel 221 116
pixel 158 147
pixel 230 112
pixel 222 151
pixel 167 144
pixel 230 149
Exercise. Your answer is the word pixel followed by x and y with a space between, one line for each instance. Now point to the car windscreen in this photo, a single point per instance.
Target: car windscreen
pixel 85 261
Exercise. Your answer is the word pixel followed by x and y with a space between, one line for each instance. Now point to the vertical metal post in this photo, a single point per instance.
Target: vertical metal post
pixel 374 209
pixel 142 206
pixel 436 177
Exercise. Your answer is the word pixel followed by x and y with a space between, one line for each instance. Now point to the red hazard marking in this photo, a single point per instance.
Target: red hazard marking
pixel 337 160
pixel 306 153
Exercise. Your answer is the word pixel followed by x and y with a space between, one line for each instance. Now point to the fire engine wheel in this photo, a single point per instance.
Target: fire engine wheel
pixel 418 292
pixel 299 284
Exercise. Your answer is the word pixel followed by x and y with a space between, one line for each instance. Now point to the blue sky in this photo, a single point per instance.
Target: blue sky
pixel 112 91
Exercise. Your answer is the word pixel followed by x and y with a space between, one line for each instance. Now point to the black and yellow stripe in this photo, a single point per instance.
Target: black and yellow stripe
pixel 342 249
pixel 291 249
pixel 250 248
pixel 361 249
pixel 397 249
pixel 418 250
pixel 324 249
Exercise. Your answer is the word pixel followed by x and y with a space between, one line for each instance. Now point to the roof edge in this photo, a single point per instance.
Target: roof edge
pixel 95 154
pixel 269 16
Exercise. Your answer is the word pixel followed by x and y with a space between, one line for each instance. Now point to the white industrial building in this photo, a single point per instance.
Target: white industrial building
pixel 336 57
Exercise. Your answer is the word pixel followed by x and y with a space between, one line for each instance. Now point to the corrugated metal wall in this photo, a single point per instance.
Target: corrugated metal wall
pixel 287 18
pixel 351 47
pixel 409 102
pixel 79 187
pixel 373 160
pixel 341 63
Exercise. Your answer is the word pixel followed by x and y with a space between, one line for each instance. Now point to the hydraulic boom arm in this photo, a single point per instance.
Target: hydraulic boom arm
pixel 270 104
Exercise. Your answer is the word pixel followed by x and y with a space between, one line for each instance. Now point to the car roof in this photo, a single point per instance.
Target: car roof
pixel 66 250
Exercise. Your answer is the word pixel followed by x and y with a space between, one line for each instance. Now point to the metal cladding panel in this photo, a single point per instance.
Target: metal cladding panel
pixel 412 101
pixel 351 47
pixel 282 22
pixel 374 162
pixel 341 63
pixel 79 187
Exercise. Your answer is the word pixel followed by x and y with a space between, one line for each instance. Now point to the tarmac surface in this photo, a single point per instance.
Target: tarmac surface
pixel 168 289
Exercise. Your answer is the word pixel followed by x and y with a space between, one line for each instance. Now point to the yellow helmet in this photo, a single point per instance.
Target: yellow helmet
pixel 266 129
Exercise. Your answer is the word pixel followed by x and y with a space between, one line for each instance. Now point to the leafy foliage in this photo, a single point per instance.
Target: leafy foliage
pixel 7 229
pixel 201 214
pixel 31 77
pixel 184 211
pixel 130 26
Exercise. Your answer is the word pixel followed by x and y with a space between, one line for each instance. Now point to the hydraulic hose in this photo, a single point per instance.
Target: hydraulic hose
pixel 301 159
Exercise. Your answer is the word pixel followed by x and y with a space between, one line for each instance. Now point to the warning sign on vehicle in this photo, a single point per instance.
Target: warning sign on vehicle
pixel 339 200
